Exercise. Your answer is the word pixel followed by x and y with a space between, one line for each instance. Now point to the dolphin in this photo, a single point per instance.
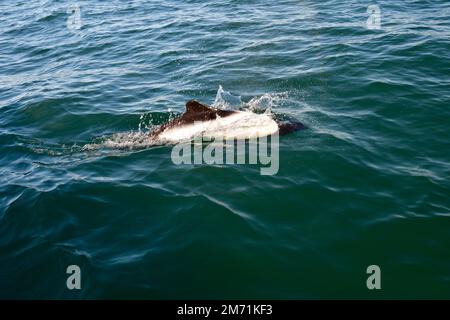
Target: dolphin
pixel 201 119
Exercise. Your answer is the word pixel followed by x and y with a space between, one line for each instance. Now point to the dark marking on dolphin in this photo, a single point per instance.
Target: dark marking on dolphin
pixel 196 111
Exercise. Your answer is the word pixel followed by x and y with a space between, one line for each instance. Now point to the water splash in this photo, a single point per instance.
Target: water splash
pixel 149 121
pixel 267 102
pixel 226 100
pixel 139 139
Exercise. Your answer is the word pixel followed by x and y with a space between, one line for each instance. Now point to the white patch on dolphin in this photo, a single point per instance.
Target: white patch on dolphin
pixel 239 125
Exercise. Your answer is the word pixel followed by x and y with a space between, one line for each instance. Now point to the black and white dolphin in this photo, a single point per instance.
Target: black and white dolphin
pixel 200 119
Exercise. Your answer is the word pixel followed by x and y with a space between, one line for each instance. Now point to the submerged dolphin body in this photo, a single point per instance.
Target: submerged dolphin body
pixel 200 119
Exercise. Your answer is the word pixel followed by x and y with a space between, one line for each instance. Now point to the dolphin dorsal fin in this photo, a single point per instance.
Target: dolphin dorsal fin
pixel 193 106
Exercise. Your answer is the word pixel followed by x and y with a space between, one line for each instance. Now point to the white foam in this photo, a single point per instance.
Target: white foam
pixel 124 140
